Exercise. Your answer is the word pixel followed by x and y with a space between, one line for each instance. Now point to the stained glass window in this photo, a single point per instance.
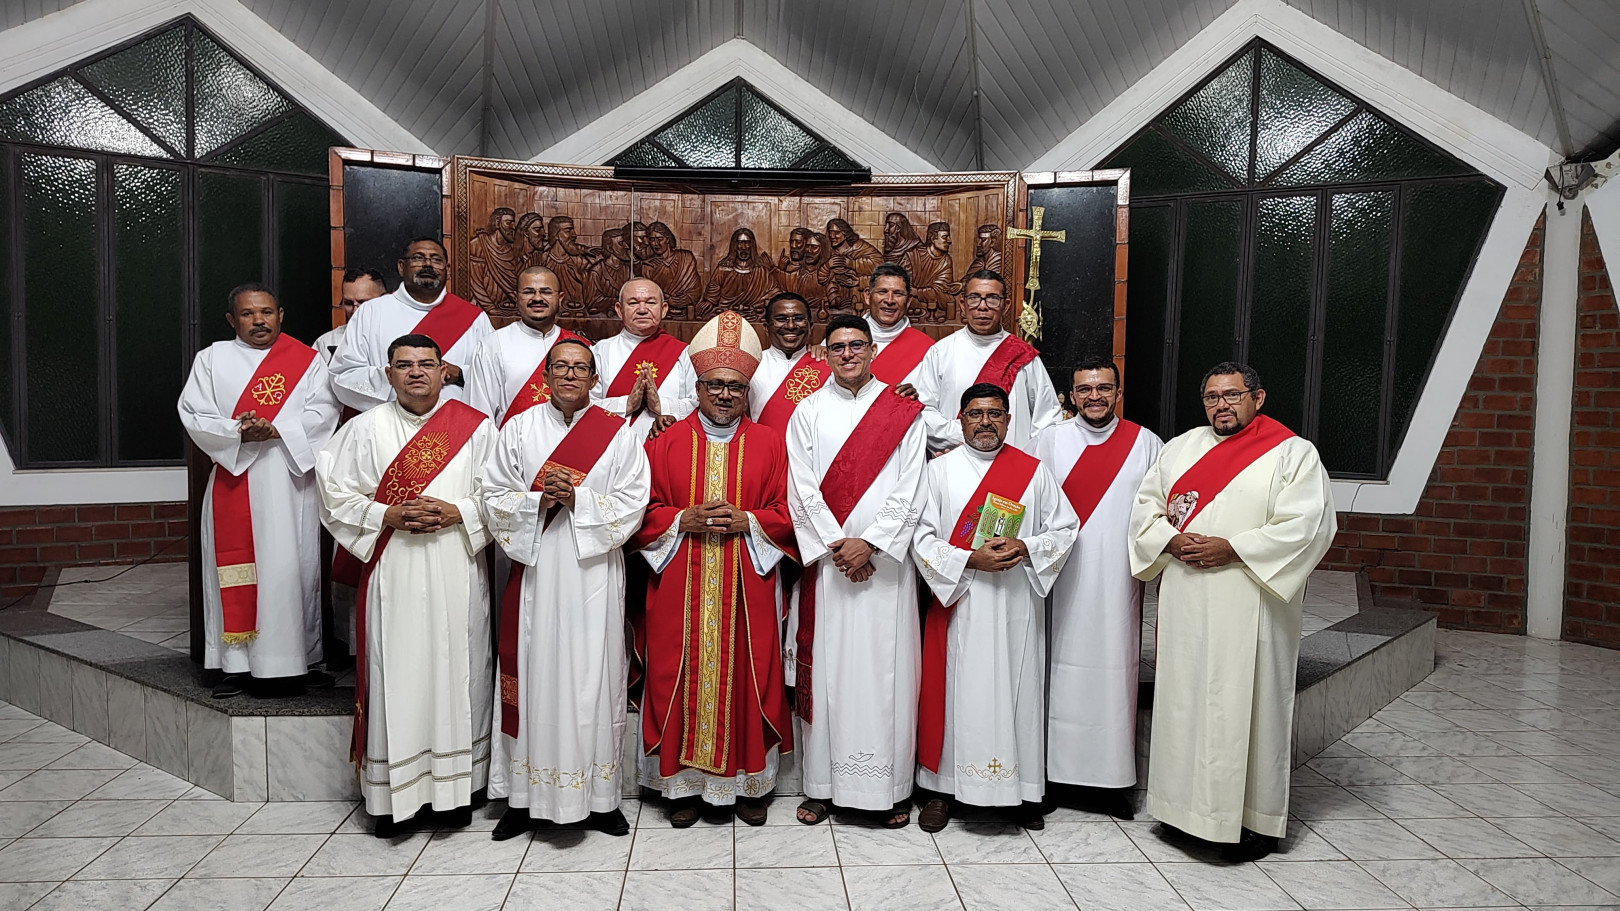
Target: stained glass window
pixel 1280 221
pixel 735 127
pixel 151 179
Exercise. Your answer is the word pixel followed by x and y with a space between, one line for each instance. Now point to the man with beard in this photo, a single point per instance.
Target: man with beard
pixel 675 270
pixel 743 281
pixel 493 263
pixel 359 286
pixel 531 238
pixel 1096 605
pixel 847 252
pixel 899 238
pixel 900 348
pixel 507 375
pixel 986 250
pixel 717 529
pixel 564 488
pixel 1235 515
pixel 981 720
pixel 932 283
pixel 569 260
pixel 608 274
pixel 419 306
pixel 794 270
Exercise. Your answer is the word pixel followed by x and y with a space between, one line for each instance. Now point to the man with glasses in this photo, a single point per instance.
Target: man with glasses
pixel 983 352
pixel 981 721
pixel 1235 516
pixel 564 489
pixel 716 533
pixel 788 371
pixel 508 371
pixel 421 305
pixel 1096 605
pixel 856 456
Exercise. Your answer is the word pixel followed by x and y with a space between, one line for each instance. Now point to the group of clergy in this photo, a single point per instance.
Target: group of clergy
pixel 759 519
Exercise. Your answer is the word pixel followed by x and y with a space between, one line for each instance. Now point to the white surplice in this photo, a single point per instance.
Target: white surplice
pixel 677 392
pixel 774 366
pixel 428 664
pixel 328 342
pixel 502 363
pixel 564 763
pixel 1228 638
pixel 994 750
pixel 882 335
pixel 281 494
pixel 357 368
pixel 862 748
pixel 1095 629
pixel 953 364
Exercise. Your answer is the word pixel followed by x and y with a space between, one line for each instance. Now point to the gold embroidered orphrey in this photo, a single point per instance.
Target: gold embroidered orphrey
pixel 708 753
pixel 1029 321
pixel 269 390
pixel 422 456
pixel 542 392
pixel 801 383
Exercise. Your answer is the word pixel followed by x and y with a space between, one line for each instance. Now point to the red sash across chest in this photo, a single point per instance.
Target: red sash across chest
pixel 448 321
pixel 1200 484
pixel 535 390
pixel 1003 364
pixel 1094 472
pixel 900 356
pixel 805 376
pixel 659 351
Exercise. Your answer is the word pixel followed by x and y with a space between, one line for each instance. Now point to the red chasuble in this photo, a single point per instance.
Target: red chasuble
pixel 806 376
pixel 876 437
pixel 1009 476
pixel 1004 363
pixel 901 356
pixel 535 390
pixel 1208 476
pixel 448 321
pixel 659 351
pixel 412 470
pixel 714 691
pixel 576 453
pixel 266 391
pixel 1094 472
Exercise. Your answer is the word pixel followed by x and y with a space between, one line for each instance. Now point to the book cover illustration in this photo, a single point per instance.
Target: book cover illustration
pixel 999 517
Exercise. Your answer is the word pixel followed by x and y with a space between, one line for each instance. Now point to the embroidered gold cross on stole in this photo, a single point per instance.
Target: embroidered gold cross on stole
pixel 1029 321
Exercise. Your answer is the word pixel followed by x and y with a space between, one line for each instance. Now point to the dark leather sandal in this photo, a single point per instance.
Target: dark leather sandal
pixel 752 810
pixel 818 810
pixel 684 813
pixel 935 814
pixel 901 809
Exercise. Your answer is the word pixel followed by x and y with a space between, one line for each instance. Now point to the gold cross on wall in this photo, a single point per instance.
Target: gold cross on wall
pixel 1029 321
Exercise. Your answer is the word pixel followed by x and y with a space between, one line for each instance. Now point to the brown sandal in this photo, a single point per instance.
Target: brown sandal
pixel 817 809
pixel 752 810
pixel 684 813
pixel 902 810
pixel 935 814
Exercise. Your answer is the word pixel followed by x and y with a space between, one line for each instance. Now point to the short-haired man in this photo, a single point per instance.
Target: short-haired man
pixel 564 489
pixel 995 532
pixel 421 305
pixel 508 371
pixel 788 370
pixel 1096 605
pixel 1234 516
pixel 900 348
pixel 260 406
pixel 644 373
pixel 983 352
pixel 399 489
pixel 359 286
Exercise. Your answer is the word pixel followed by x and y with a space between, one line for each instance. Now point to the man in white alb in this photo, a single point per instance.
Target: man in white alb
pixel 508 371
pixel 644 373
pixel 900 346
pixel 359 286
pixel 789 371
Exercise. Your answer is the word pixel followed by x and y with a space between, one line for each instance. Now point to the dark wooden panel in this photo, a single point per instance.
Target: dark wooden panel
pixel 384 208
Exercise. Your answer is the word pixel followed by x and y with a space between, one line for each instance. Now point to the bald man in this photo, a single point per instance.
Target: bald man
pixel 644 373
pixel 507 375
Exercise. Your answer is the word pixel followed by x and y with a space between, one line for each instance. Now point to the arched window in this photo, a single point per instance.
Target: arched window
pixel 1277 220
pixel 136 189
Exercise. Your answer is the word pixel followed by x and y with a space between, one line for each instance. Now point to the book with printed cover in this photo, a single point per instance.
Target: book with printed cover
pixel 999 517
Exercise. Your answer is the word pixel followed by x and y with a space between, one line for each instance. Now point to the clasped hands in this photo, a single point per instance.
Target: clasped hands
pixel 644 396
pixel 714 516
pixel 1202 551
pixel 255 429
pixel 558 488
pixel 853 558
pixel 422 516
pixel 998 555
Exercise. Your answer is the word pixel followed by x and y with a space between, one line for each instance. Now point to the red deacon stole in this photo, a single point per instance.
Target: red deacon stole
pixel 901 355
pixel 1003 364
pixel 659 351
pixel 448 321
pixel 876 437
pixel 1094 472
pixel 266 391
pixel 804 377
pixel 576 453
pixel 1009 476
pixel 1208 476
pixel 424 455
pixel 535 389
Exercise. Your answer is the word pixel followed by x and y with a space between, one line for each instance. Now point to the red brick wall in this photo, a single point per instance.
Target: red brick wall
pixel 33 539
pixel 1592 580
pixel 1462 551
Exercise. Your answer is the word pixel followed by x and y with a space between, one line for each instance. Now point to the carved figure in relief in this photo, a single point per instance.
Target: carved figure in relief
pixel 986 250
pixel 743 281
pixel 531 239
pixel 608 274
pixel 837 282
pixel 494 264
pixel 570 260
pixel 848 250
pixel 899 238
pixel 675 270
pixel 933 288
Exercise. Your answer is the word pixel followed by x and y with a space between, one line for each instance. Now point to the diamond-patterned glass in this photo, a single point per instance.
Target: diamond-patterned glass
pixel 1215 120
pixel 769 138
pixel 1280 311
pixel 645 155
pixel 64 113
pixel 1209 304
pixel 1159 167
pixel 1294 110
pixel 230 223
pixel 1365 149
pixel 303 278
pixel 1357 305
pixel 8 358
pixel 149 82
pixel 298 144
pixel 707 137
pixel 830 159
pixel 230 99
pixel 149 316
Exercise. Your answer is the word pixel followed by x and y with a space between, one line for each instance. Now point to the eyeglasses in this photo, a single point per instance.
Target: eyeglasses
pixel 579 370
pixel 1231 398
pixel 1104 389
pixel 721 387
pixel 406 365
pixel 980 414
pixel 417 259
pixel 851 347
pixel 986 300
pixel 790 319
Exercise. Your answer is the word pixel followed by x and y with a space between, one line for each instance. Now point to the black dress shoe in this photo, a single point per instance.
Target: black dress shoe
pixel 386 827
pixel 228 686
pixel 1115 802
pixel 514 822
pixel 459 818
pixel 319 680
pixel 1252 846
pixel 613 823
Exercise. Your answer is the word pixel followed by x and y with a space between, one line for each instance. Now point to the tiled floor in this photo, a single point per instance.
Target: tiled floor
pixel 1496 782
